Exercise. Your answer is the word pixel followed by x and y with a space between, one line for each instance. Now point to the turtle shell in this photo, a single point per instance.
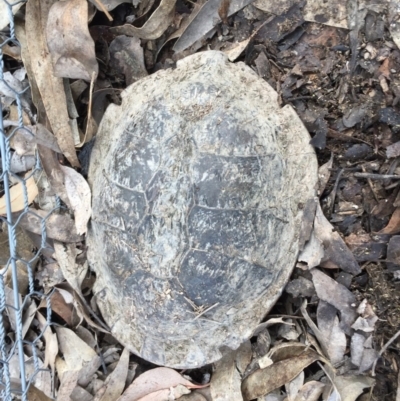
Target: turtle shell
pixel 199 183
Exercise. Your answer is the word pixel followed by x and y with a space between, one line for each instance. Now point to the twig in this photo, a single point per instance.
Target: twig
pixel 332 195
pixel 371 186
pixel 384 348
pixel 89 116
pixel 102 8
pixel 373 176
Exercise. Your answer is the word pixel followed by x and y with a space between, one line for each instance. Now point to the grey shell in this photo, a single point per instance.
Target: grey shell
pixel 199 181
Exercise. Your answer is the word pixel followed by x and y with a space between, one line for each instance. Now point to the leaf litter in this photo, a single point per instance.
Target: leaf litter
pixel 336 82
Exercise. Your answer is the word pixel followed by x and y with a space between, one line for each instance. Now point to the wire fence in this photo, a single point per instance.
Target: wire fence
pixel 22 329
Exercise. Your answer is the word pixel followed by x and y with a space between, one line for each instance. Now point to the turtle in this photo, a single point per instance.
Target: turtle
pixel 199 182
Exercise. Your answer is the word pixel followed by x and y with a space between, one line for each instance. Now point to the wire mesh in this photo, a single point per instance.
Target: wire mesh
pixel 22 332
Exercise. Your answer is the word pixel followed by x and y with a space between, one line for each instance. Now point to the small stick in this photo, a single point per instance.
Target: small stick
pixel 377 176
pixel 102 8
pixel 384 348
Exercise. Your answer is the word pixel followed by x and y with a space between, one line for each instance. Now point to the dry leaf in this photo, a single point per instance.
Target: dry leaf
pixel 204 21
pixel 293 387
pixel 70 44
pixel 73 272
pixel 152 381
pixel 337 295
pixel 237 49
pixel 51 88
pixel 58 226
pixel 68 381
pixel 311 391
pixel 243 356
pixel 393 227
pixel 51 349
pixel 34 394
pixel 155 26
pixel 126 55
pixel 394 21
pixel 75 351
pixel 20 192
pixel 4 9
pixel 79 195
pixel 54 173
pixel 325 239
pixel 350 387
pixel 333 13
pixel 335 339
pixel 264 381
pixel 109 5
pixel 226 380
pixel 115 382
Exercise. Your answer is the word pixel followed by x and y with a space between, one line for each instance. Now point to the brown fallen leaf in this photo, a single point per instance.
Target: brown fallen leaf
pixel 50 87
pixel 155 26
pixel 327 242
pixel 263 381
pixel 26 190
pixel 70 44
pixel 393 227
pixel 337 295
pixel 75 351
pixel 152 381
pixel 226 380
pixel 115 382
pixel 60 227
pixel 328 324
pixel 80 197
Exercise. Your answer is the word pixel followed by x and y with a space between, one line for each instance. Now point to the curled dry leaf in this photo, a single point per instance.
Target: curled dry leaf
pixel 70 44
pixel 152 381
pixel 79 196
pixel 19 193
pixel 50 87
pixel 155 26
pixel 263 381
